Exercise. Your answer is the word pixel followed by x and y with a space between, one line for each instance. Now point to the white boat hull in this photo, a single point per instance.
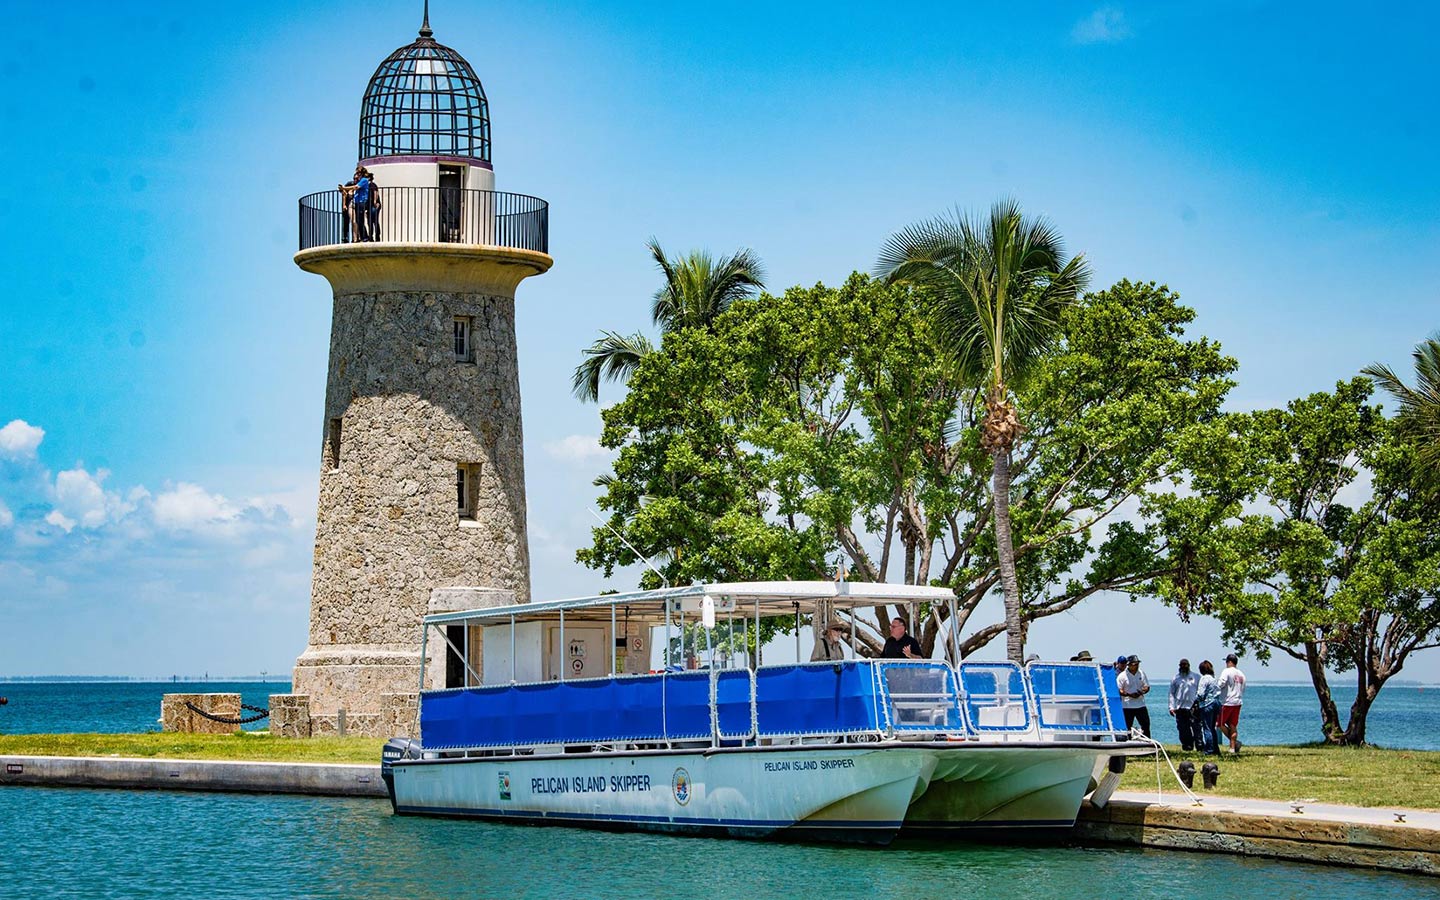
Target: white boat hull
pixel 861 793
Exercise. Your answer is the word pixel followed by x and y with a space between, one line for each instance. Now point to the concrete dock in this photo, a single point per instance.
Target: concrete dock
pixel 325 779
pixel 1396 839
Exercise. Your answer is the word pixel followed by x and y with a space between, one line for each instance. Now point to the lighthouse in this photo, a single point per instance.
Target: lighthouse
pixel 422 472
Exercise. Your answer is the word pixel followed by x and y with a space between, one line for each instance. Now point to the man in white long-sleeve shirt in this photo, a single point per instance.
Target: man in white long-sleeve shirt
pixel 1183 689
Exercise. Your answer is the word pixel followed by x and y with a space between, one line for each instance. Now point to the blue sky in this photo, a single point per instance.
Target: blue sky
pixel 1276 169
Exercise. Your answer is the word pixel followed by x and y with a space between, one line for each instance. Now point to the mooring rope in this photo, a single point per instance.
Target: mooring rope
pixel 260 713
pixel 1138 735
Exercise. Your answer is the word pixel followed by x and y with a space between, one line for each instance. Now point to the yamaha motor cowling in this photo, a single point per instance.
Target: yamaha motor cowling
pixel 396 749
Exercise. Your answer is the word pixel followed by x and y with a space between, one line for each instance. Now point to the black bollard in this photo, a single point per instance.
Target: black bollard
pixel 1211 773
pixel 1186 771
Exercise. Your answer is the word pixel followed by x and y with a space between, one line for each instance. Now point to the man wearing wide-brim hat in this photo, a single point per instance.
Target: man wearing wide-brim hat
pixel 828 647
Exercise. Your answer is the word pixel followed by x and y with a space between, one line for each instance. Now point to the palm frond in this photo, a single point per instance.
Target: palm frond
pixel 611 358
pixel 697 287
pixel 998 285
pixel 1419 407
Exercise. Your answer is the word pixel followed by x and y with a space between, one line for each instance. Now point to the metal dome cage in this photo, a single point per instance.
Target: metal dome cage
pixel 425 100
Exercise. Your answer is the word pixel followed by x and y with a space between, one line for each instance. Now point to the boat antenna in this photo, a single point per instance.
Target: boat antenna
pixel 664 582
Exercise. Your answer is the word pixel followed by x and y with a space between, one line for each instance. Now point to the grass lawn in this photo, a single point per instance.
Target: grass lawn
pixel 248 746
pixel 1362 776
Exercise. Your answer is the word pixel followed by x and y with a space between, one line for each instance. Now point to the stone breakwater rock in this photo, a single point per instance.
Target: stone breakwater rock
pixel 175 715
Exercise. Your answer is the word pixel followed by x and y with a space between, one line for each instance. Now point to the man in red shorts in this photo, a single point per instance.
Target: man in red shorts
pixel 1232 690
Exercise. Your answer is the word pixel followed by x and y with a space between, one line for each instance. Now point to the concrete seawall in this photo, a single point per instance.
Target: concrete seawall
pixel 1316 833
pixel 325 779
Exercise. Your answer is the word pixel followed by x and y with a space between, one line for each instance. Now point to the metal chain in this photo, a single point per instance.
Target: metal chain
pixel 260 713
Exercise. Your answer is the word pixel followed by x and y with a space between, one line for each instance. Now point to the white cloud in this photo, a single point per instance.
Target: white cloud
pixel 20 439
pixel 581 449
pixel 187 507
pixel 58 519
pixel 80 499
pixel 1105 25
pixel 7 518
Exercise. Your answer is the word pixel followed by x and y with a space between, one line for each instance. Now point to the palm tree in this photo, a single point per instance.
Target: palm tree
pixel 997 288
pixel 697 289
pixel 1420 405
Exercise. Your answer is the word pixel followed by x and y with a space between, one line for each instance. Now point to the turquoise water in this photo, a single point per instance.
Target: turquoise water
pixel 1405 716
pixel 90 843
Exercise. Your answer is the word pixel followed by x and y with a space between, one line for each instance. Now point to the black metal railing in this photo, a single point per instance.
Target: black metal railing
pixel 439 215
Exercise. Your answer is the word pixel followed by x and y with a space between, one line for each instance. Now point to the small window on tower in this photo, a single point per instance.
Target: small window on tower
pixel 462 339
pixel 467 482
pixel 334 444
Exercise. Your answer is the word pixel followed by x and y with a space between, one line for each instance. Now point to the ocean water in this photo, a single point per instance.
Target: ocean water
pixel 111 707
pixel 93 843
pixel 1404 717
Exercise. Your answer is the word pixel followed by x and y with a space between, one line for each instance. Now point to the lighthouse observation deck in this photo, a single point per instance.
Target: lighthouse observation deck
pixel 428 215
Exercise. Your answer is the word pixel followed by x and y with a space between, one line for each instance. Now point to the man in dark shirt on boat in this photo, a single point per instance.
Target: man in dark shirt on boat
pixel 900 645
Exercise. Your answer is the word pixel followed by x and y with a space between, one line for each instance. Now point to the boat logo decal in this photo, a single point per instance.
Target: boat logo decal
pixel 680 785
pixel 504 785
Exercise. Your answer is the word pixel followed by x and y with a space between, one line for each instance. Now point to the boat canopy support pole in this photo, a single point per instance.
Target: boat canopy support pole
pixel 796 604
pixel 460 653
pixel 512 648
pixel 612 641
pixel 424 635
pixel 564 651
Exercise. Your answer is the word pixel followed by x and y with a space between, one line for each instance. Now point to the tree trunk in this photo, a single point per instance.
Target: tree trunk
pixel 1367 688
pixel 1329 715
pixel 1005 550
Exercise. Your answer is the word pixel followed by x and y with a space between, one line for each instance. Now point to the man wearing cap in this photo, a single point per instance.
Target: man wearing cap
pixel 1183 689
pixel 1232 690
pixel 829 646
pixel 1133 688
pixel 1082 656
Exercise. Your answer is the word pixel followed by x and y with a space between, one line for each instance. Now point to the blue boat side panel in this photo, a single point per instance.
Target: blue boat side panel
pixel 921 696
pixel 732 703
pixel 995 697
pixel 1069 697
pixel 830 698
pixel 1111 679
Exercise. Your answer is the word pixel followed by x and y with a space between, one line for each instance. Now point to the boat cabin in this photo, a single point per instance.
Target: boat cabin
pixel 681 668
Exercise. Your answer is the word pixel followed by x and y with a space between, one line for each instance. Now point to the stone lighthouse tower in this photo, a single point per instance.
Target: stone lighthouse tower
pixel 422 475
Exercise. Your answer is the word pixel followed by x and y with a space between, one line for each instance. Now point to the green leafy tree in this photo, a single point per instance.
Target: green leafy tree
pixel 1419 406
pixel 827 426
pixel 998 288
pixel 1307 532
pixel 697 288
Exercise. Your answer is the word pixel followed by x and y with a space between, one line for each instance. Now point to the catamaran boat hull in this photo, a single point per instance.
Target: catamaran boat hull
pixel 858 794
pixel 853 795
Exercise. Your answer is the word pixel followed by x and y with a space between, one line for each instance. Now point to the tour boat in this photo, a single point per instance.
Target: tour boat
pixel 552 715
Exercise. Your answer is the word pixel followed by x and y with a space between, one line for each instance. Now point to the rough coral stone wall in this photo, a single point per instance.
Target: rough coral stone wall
pixel 175 715
pixel 388 530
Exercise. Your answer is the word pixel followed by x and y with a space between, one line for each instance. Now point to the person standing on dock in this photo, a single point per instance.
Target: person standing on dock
pixel 1133 688
pixel 1207 709
pixel 1183 689
pixel 1232 691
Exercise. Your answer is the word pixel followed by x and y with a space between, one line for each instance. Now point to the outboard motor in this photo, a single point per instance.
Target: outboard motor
pixel 396 749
